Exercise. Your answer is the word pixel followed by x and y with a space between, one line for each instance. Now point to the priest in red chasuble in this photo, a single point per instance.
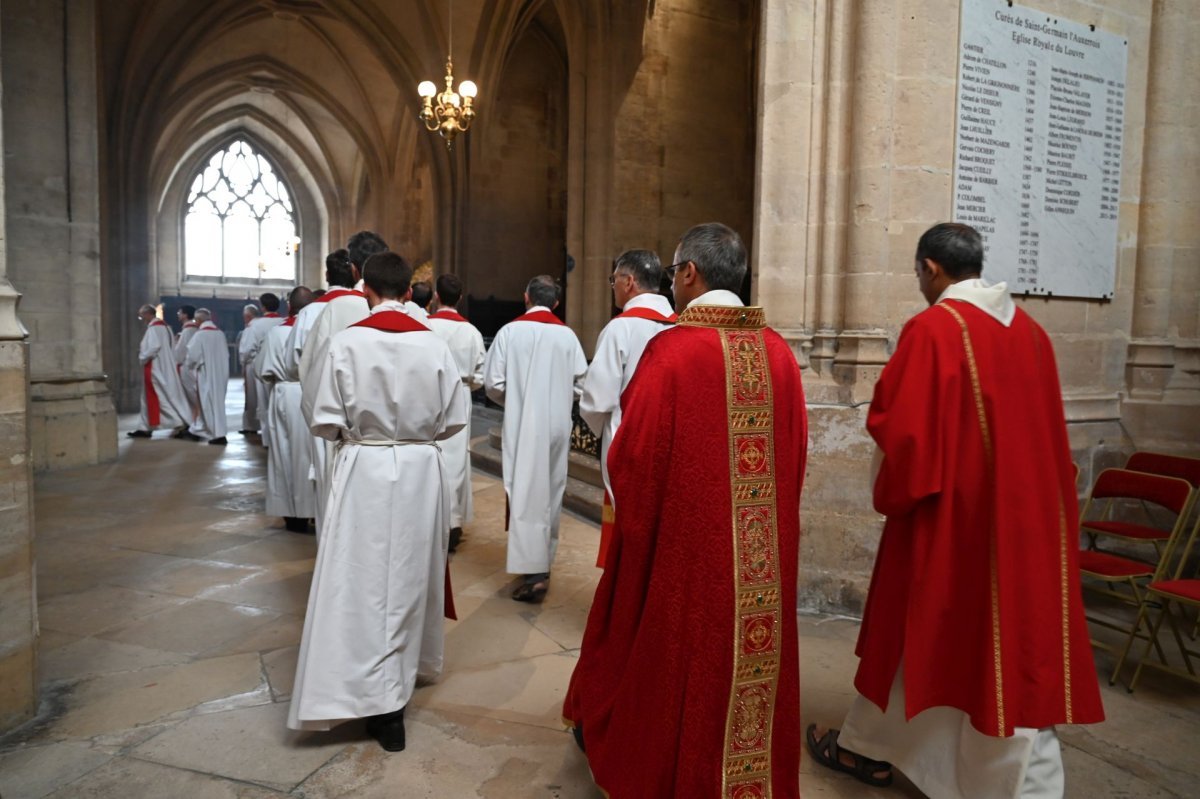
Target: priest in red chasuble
pixel 687 684
pixel 974 645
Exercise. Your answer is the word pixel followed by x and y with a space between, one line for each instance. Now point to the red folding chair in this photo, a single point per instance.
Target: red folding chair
pixel 1159 595
pixel 1113 491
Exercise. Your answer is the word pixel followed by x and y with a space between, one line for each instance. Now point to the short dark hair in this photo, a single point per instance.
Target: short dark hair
pixel 188 310
pixel 449 289
pixel 643 265
pixel 422 293
pixel 363 245
pixel 387 274
pixel 543 290
pixel 955 247
pixel 337 269
pixel 300 297
pixel 718 253
pixel 319 293
pixel 269 302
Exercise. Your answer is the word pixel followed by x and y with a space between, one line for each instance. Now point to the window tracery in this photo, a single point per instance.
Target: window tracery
pixel 239 221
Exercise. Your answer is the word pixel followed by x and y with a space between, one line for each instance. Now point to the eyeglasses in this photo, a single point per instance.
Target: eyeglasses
pixel 671 269
pixel 612 279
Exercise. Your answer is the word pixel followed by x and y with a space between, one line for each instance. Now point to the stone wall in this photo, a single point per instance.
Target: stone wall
pixel 53 216
pixel 18 622
pixel 855 156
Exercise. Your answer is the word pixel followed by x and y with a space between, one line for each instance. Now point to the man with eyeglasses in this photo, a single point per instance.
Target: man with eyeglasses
pixel 535 369
pixel 687 683
pixel 644 314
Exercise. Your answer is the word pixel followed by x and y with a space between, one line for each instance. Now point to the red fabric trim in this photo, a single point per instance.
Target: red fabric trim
pixel 449 313
pixel 333 294
pixel 157 323
pixel 606 529
pixel 648 313
pixel 1105 565
pixel 1128 530
pixel 540 316
pixel 391 322
pixel 448 602
pixel 209 326
pixel 1183 589
pixel 291 320
pixel 191 323
pixel 153 409
pixel 271 315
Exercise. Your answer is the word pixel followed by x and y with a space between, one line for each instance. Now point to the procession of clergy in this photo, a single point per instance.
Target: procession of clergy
pixel 687 679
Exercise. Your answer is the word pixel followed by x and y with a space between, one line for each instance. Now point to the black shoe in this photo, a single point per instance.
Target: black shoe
pixel 294 524
pixel 388 730
pixel 248 432
pixel 220 442
pixel 455 538
pixel 180 432
pixel 187 435
pixel 140 434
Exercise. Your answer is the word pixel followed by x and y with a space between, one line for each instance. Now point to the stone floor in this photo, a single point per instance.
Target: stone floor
pixel 171 612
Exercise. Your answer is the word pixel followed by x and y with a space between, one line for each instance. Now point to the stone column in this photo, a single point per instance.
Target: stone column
pixel 50 127
pixel 18 622
pixel 1163 370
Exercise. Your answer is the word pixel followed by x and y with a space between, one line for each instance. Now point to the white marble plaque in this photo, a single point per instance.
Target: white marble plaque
pixel 1037 167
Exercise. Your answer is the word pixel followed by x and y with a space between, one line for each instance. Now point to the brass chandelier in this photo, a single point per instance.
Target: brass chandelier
pixel 448 113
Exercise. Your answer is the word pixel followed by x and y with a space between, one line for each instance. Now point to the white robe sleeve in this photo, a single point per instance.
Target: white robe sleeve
pixel 329 417
pixel 147 349
pixel 195 354
pixel 456 410
pixel 476 379
pixel 602 386
pixel 494 379
pixel 581 369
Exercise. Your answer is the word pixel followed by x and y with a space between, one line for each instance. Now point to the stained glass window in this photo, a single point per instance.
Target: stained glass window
pixel 239 225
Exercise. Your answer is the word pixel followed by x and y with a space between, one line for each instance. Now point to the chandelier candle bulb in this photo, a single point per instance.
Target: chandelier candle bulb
pixel 447 113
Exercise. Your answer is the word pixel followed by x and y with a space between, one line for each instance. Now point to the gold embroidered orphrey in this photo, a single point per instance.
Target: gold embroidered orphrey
pixel 746 770
pixel 990 466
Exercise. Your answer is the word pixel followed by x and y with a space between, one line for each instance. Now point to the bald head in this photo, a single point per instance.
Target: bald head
pixel 203 315
pixel 300 297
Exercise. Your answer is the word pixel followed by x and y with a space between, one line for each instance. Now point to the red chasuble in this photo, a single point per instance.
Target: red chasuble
pixel 976 584
pixel 687 683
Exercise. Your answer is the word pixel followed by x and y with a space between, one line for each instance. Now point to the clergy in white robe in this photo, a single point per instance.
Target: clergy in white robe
pixel 466 344
pixel 208 355
pixel 162 401
pixel 535 369
pixel 188 328
pixel 645 313
pixel 291 493
pixel 250 398
pixel 387 393
pixel 248 347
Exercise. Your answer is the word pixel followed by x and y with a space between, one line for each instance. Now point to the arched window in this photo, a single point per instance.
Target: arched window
pixel 239 224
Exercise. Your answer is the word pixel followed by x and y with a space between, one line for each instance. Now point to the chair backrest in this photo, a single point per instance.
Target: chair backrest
pixel 1166 465
pixel 1172 493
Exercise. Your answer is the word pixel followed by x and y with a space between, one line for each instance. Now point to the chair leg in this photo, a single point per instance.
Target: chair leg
pixel 1137 625
pixel 1153 640
pixel 1187 660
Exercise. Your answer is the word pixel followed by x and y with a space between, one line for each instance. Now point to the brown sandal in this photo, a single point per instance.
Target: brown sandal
pixel 533 593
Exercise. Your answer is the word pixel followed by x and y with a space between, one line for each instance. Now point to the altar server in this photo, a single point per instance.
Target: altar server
pixel 535 369
pixel 644 314
pixel 387 392
pixel 466 344
pixel 208 357
pixel 163 403
pixel 291 493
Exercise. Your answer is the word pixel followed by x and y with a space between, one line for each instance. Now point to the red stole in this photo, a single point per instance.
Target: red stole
pixel 153 409
pixel 391 322
pixel 540 316
pixel 333 294
pixel 207 326
pixel 648 313
pixel 271 315
pixel 291 320
pixel 448 313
